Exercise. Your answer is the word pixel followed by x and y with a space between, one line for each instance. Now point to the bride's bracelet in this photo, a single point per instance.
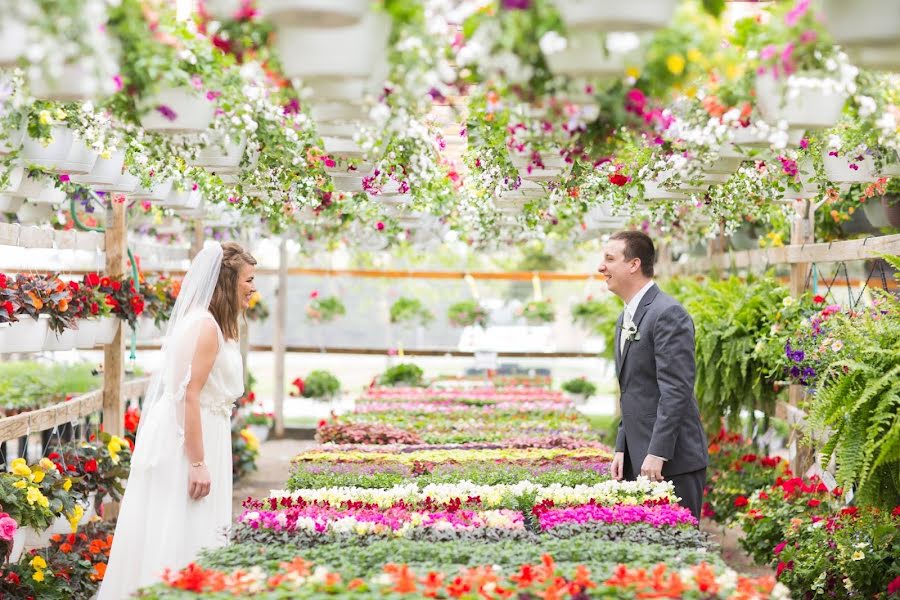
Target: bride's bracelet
pixel 198 464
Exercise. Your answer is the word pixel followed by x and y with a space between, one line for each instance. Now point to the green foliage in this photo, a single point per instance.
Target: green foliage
pixel 410 311
pixel 402 374
pixel 580 385
pixel 539 312
pixel 466 313
pixel 599 316
pixel 858 401
pixel 321 384
pixel 325 309
pixel 29 385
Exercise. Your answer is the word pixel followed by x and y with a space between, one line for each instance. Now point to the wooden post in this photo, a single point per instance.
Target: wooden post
pixel 113 354
pixel 278 338
pixel 198 238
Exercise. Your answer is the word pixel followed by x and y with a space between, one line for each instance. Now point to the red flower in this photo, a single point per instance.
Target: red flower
pixel 749 458
pixel 618 179
pixel 137 304
pixel 763 496
pixel 13 578
pixel 2 280
pixel 95 308
pixel 53 456
pixel 779 547
pixel 112 302
pixel 105 282
pixel 896 511
pixel 740 501
pixel 851 511
pixel 92 279
pixel 90 466
pixel 299 385
pixel 893 587
pixel 116 285
pixel 314 294
pixel 8 307
pixel 73 285
pixel 323 423
pixel 813 502
pixel 771 461
pixel 819 299
pixel 782 566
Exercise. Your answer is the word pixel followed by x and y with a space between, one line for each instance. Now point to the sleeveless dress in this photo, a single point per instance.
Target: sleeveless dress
pixel 160 527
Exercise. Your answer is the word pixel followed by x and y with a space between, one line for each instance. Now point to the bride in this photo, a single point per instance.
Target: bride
pixel 178 497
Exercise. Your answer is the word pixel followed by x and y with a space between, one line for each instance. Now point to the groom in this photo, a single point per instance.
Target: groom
pixel 660 435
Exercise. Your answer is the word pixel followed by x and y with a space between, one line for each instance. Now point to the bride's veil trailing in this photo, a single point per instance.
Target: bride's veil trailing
pixel 162 412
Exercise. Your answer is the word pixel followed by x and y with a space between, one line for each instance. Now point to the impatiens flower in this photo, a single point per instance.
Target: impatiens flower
pixel 167 112
pixel 379 226
pixel 64 178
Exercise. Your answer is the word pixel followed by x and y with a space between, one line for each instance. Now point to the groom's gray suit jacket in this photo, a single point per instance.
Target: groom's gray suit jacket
pixel 656 379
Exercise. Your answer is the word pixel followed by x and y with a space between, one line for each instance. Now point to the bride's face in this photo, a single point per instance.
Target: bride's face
pixel 246 284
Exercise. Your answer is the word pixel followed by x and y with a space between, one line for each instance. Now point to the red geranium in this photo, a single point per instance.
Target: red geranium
pixel 90 466
pixel 92 280
pixel 740 501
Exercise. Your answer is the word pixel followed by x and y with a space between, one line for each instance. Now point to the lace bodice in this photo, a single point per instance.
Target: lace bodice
pixel 226 380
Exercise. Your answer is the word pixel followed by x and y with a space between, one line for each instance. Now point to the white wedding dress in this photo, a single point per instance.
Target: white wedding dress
pixel 160 527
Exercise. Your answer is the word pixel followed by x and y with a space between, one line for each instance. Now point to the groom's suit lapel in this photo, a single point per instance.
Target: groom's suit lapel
pixel 646 301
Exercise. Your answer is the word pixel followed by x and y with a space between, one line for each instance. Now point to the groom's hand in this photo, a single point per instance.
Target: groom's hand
pixel 617 467
pixel 652 468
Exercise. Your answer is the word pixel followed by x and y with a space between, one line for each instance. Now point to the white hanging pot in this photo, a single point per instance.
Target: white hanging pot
pixel 550 160
pixel 528 189
pixel 654 191
pixel 39 191
pixel 189 200
pixel 26 335
pixel 16 174
pixel 342 146
pixel 86 334
pixel 608 15
pixel 178 110
pixel 80 159
pixel 745 138
pixel 106 171
pixel 335 52
pixel 802 102
pixel 342 130
pixel 158 192
pixel 13 40
pixel 338 88
pixel 260 432
pixel 60 341
pixel 18 544
pixel 336 111
pixel 840 169
pixel 52 156
pixel 75 83
pixel 34 212
pixel 12 142
pixel 222 154
pixel 863 22
pixel 10 204
pixel 105 330
pixel 586 55
pixel 314 13
pixel 147 330
pixel 510 202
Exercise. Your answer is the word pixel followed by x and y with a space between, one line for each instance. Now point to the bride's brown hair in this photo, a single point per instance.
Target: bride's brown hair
pixel 225 305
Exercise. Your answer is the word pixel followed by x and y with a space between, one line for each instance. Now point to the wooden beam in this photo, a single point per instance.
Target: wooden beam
pixel 113 354
pixel 420 352
pixel 278 338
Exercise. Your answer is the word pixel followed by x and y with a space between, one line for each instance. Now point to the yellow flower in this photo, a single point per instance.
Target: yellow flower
pixel 47 464
pixel 38 562
pixel 691 91
pixel 675 63
pixel 38 576
pixel 254 298
pixel 34 495
pixel 105 154
pixel 858 555
pixel 60 114
pixel 114 448
pixel 75 517
pixel 732 72
pixel 20 484
pixel 67 484
pixel 19 467
pixel 44 117
pixel 633 72
pixel 251 440
pixel 694 55
pixel 788 301
pixel 37 476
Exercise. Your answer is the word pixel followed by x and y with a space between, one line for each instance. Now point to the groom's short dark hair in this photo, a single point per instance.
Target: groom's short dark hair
pixel 638 245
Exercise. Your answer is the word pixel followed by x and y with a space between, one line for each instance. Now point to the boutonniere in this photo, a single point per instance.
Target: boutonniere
pixel 631 333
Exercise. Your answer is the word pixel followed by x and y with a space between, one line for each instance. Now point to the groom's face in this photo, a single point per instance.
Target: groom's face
pixel 619 272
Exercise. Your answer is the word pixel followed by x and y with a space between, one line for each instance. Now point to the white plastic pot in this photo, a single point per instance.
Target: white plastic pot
pixel 10 204
pixel 18 544
pixel 60 341
pixel 336 111
pixel 189 200
pixel 335 52
pixel 12 141
pixel 34 212
pixel 342 146
pixel 744 138
pixel 80 159
pixel 147 330
pixel 13 40
pixel 53 156
pixel 75 83
pixel 15 181
pixel 39 191
pixel 886 58
pixel 611 15
pixel 839 169
pixel 26 335
pixel 86 334
pixel 586 55
pixel 105 330
pixel 106 171
pixel 158 192
pixel 191 111
pixel 805 104
pixel 222 154
pixel 260 432
pixel 314 13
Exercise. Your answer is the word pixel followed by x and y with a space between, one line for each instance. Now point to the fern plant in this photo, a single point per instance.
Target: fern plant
pixel 857 402
pixel 599 316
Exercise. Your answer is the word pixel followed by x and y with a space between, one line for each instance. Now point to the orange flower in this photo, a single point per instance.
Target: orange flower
pixel 62 305
pixel 404 579
pixel 525 577
pixel 458 587
pixel 433 583
pixel 35 301
pixel 65 548
pixel 332 579
pixel 297 566
pixel 99 572
pixel 705 578
pixel 355 583
pixel 583 577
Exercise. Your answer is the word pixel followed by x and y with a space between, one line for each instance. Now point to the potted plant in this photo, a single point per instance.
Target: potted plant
pixel 404 374
pixel 260 424
pixel 579 389
pixel 96 313
pixel 599 317
pixel 257 309
pixel 319 385
pixel 539 312
pixel 468 313
pixel 410 311
pixel 324 309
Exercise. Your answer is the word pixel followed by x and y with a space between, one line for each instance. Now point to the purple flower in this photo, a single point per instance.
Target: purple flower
pixel 516 4
pixel 167 112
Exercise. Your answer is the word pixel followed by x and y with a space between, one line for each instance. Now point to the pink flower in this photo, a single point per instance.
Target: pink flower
pixel 379 226
pixel 795 13
pixel 167 112
pixel 64 178
pixel 117 80
pixel 804 143
pixel 768 53
pixel 808 37
pixel 779 547
pixel 8 527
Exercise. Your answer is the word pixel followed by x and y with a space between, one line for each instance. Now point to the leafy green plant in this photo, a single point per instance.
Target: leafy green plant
pixel 402 374
pixel 324 309
pixel 580 386
pixel 410 311
pixel 466 313
pixel 599 316
pixel 857 400
pixel 539 312
pixel 321 384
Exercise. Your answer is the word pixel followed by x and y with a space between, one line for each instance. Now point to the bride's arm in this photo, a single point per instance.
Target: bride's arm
pixel 201 365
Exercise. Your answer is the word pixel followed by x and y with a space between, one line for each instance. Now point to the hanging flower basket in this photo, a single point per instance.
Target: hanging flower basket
pixel 53 156
pixel 342 146
pixel 339 112
pixel 39 191
pixel 334 53
pixel 106 172
pixel 223 154
pixel 80 159
pixel 178 110
pixel 314 13
pixel 803 102
pixel 15 181
pixel 104 330
pixel 75 83
pixel 599 15
pixel 60 341
pixel 86 334
pixel 10 204
pixel 587 54
pixel 891 206
pixel 846 169
pixel 12 142
pixel 25 335
pixel 35 212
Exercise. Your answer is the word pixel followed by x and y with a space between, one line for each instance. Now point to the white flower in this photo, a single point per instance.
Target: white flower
pixel 867 105
pixel 551 43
